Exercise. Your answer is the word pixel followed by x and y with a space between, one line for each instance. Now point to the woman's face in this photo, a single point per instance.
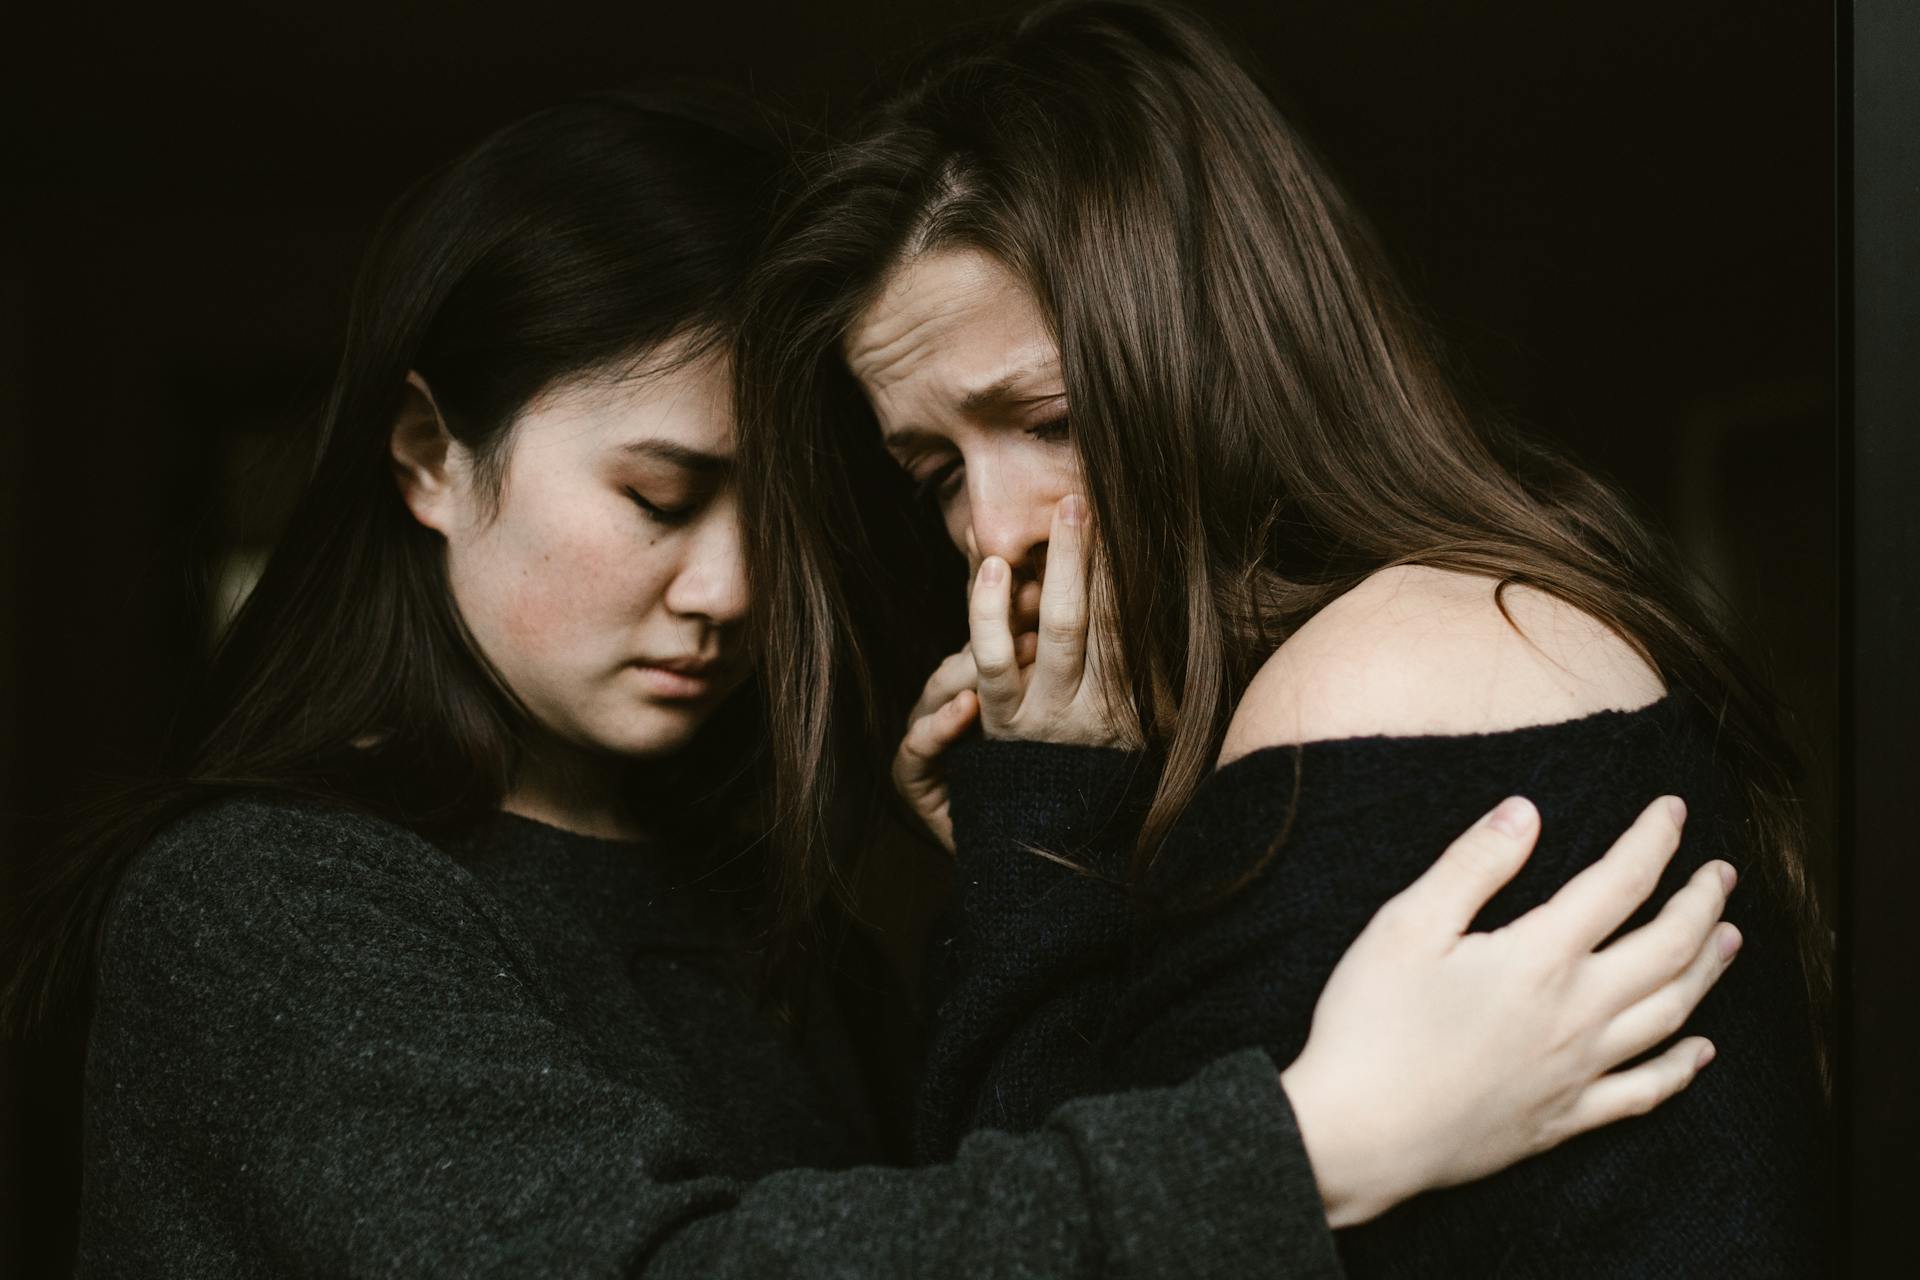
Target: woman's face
pixel 964 376
pixel 605 583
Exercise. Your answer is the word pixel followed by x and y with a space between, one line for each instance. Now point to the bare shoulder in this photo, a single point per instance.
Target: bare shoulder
pixel 1414 650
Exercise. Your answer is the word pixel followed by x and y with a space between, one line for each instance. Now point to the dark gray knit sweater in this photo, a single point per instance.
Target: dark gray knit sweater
pixel 1054 984
pixel 325 1046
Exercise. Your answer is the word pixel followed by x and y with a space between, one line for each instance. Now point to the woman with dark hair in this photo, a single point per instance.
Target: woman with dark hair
pixel 1258 613
pixel 434 952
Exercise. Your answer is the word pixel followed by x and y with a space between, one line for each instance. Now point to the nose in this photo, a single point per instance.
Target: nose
pixel 1009 513
pixel 711 584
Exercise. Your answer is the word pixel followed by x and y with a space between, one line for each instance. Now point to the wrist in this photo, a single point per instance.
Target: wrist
pixel 1359 1178
pixel 1067 798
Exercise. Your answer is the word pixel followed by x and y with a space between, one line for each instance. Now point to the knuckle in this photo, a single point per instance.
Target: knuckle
pixel 1694 921
pixel 1549 965
pixel 1644 1095
pixel 1062 631
pixel 1639 881
pixel 1670 1013
pixel 995 662
pixel 984 614
pixel 1699 894
pixel 1675 951
pixel 1481 854
pixel 1400 918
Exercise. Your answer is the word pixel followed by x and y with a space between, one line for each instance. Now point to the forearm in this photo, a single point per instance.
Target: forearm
pixel 265 1095
pixel 1205 1178
pixel 1028 967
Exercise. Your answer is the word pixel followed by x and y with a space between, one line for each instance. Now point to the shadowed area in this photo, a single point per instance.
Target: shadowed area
pixel 1621 216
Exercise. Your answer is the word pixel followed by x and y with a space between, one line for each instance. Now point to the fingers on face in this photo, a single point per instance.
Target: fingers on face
pixel 949 678
pixel 1598 901
pixel 992 639
pixel 1473 867
pixel 952 719
pixel 1061 651
pixel 928 737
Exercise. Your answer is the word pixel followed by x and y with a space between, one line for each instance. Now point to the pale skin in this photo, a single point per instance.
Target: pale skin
pixel 603 580
pixel 611 551
pixel 1521 1028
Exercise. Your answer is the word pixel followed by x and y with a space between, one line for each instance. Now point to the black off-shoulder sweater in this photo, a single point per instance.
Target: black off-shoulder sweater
pixel 327 1047
pixel 1051 984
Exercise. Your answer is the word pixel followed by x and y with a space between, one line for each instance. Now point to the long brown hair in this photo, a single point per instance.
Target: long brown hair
pixel 1261 419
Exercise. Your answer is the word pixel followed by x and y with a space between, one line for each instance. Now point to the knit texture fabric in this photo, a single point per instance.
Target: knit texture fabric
pixel 1057 983
pixel 324 1046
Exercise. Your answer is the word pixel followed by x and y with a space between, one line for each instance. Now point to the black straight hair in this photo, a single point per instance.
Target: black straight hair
pixel 571 243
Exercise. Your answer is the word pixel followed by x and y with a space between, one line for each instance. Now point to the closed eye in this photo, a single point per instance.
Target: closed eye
pixel 1050 430
pixel 937 485
pixel 663 515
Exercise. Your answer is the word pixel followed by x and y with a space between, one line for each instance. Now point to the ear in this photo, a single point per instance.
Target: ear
pixel 425 458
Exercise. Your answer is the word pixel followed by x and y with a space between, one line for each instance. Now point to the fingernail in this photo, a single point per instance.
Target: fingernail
pixel 992 570
pixel 1706 1056
pixel 1729 943
pixel 1677 810
pixel 1073 509
pixel 1514 816
pixel 1728 877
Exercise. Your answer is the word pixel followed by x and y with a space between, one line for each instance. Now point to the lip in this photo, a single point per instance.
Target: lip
pixel 687 666
pixel 679 679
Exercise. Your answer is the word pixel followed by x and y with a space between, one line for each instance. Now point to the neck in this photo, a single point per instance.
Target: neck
pixel 584 792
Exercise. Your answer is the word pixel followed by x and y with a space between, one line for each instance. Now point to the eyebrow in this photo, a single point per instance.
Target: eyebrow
pixel 911 440
pixel 998 395
pixel 678 455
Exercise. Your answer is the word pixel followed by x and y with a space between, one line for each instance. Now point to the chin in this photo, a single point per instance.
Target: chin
pixel 656 731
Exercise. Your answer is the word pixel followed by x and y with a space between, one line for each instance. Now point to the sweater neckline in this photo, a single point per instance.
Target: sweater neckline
pixel 512 840
pixel 521 829
pixel 1665 708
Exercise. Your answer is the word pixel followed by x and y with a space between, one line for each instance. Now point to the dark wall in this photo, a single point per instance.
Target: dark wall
pixel 1622 213
pixel 1880 804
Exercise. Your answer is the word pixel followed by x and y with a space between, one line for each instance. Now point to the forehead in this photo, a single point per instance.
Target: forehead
pixel 687 402
pixel 947 323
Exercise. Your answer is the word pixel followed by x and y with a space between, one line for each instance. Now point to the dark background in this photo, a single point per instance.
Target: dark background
pixel 1622 213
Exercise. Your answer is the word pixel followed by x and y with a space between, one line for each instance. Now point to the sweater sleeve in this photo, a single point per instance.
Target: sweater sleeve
pixel 1721 1180
pixel 1026 965
pixel 314 1054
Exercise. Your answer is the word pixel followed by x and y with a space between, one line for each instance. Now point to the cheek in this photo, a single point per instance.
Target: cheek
pixel 568 586
pixel 1063 468
pixel 960 529
pixel 1026 479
